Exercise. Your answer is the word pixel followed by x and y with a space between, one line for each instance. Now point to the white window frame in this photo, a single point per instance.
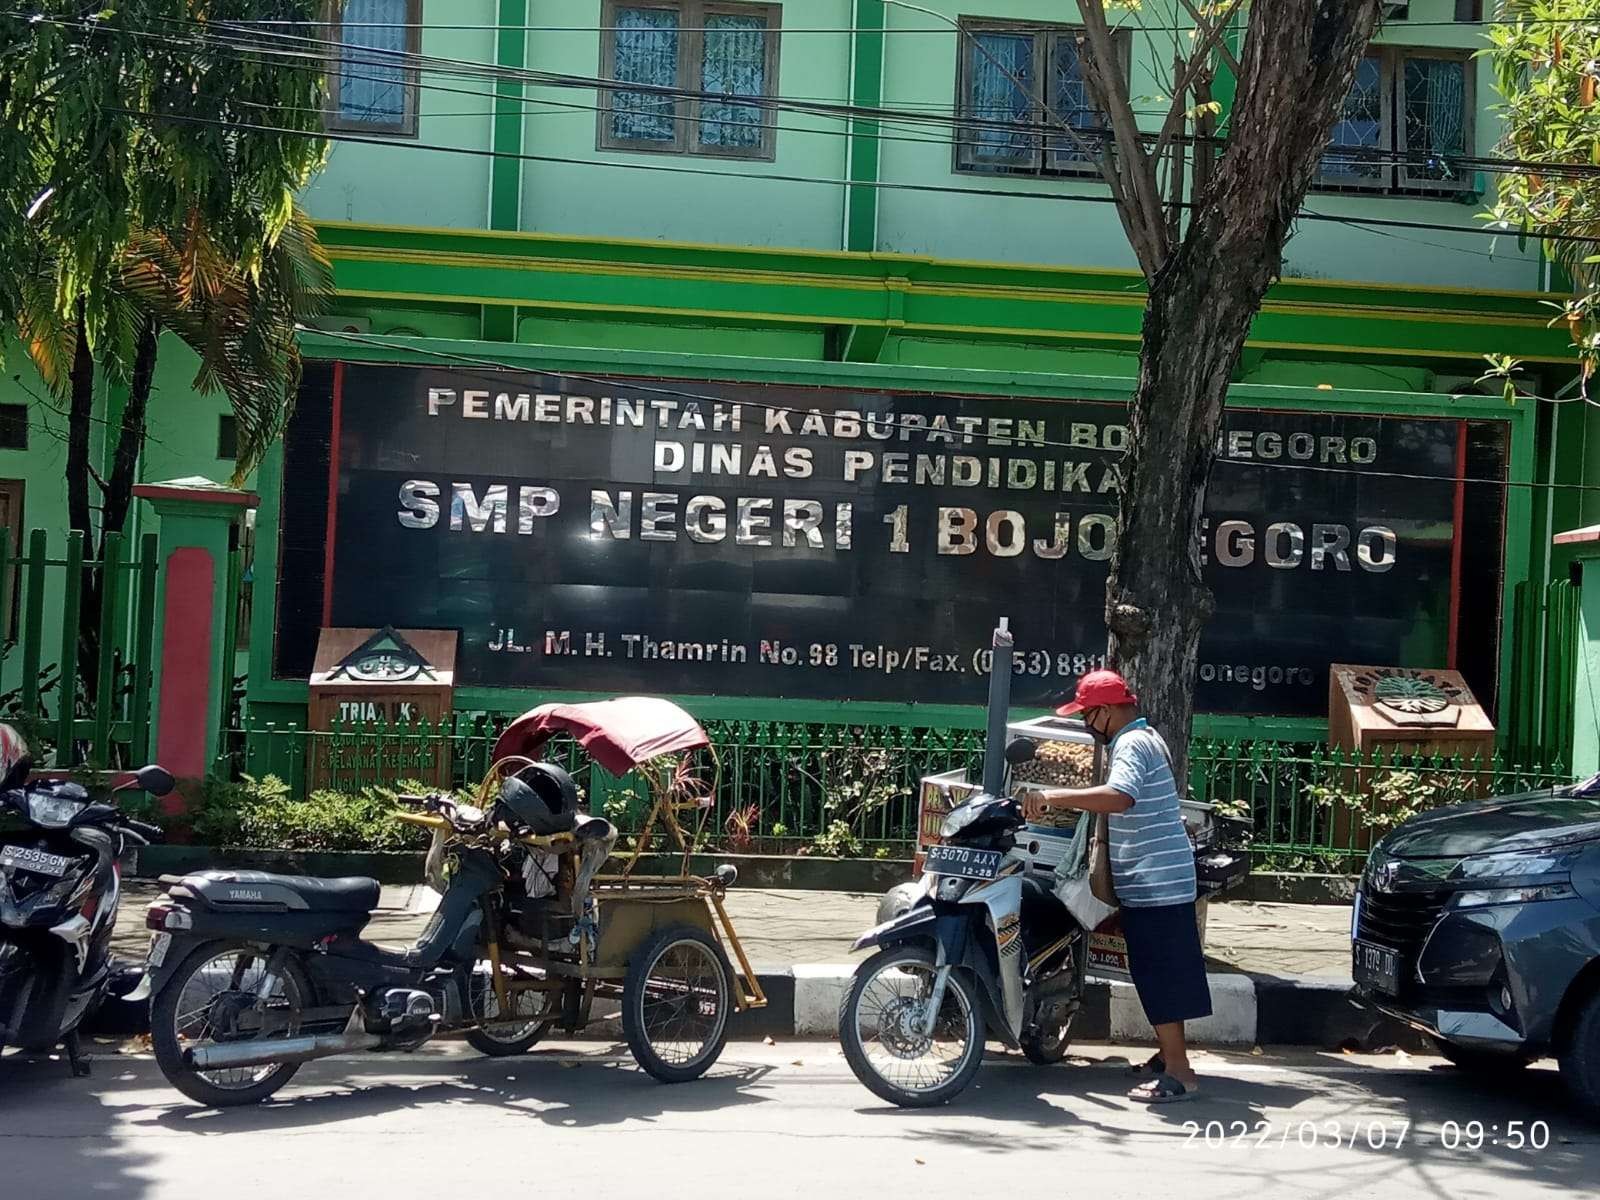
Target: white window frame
pixel 687 110
pixel 1040 161
pixel 333 119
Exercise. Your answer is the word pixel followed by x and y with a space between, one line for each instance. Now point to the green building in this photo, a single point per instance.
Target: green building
pixel 817 210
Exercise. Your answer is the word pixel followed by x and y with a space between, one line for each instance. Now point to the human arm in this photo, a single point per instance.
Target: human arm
pixel 1103 799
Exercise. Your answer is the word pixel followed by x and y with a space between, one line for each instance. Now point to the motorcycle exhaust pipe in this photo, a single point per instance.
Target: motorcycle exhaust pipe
pixel 288 1050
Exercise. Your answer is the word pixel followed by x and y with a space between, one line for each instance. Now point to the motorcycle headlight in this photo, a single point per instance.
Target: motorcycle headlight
pixel 958 820
pixel 53 812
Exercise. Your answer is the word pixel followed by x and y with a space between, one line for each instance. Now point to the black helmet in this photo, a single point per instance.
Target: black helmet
pixel 542 797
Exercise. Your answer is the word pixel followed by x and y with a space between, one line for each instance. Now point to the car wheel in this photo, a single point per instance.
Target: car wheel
pixel 1482 1062
pixel 1580 1058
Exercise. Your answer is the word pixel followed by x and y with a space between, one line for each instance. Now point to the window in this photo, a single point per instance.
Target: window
pixel 228 437
pixel 1406 123
pixel 13 426
pixel 727 50
pixel 1027 76
pixel 370 87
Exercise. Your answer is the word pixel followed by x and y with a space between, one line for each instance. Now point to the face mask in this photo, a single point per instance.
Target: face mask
pixel 1101 736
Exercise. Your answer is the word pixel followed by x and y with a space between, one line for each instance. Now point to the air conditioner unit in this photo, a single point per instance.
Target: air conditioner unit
pixel 335 324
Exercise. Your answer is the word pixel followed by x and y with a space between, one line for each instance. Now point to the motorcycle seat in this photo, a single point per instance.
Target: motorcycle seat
pixel 304 893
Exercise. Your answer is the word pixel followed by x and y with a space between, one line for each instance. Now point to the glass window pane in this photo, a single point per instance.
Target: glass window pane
pixel 1435 117
pixel 1360 126
pixel 1069 100
pixel 372 82
pixel 1000 62
pixel 735 65
pixel 645 50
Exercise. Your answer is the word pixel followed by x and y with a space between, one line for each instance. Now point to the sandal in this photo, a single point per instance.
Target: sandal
pixel 1163 1089
pixel 1153 1066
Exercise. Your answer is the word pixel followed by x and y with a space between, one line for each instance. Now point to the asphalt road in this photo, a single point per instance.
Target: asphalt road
pixel 789 1120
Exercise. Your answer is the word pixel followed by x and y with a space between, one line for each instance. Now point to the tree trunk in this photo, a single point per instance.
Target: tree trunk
pixel 130 438
pixel 80 424
pixel 1300 59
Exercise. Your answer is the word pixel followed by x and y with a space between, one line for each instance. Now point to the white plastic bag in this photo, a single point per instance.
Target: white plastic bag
pixel 1072 879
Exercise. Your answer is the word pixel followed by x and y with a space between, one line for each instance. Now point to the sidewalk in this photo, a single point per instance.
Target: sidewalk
pixel 1279 973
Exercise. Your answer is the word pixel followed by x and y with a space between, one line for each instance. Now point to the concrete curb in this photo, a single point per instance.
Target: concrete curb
pixel 803 1002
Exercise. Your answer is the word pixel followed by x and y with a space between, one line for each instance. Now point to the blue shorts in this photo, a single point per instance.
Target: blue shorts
pixel 1165 960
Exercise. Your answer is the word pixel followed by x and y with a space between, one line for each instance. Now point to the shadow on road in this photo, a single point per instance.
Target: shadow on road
pixel 1390 1124
pixel 86 1162
pixel 551 1089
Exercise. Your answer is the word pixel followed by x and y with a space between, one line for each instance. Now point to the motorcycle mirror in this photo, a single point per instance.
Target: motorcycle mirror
pixel 1021 750
pixel 156 780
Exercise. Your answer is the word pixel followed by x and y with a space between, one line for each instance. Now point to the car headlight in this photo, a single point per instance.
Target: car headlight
pixel 52 811
pixel 1516 866
pixel 1484 897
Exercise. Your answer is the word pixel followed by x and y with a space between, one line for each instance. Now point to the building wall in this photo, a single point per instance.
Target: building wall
pixel 1051 220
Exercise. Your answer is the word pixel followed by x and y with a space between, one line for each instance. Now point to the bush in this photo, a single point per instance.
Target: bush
pixel 262 814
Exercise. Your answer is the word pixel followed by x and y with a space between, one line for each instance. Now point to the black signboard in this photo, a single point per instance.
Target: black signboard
pixel 686 537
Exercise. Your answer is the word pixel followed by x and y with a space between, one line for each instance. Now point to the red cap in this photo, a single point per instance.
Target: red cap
pixel 1098 689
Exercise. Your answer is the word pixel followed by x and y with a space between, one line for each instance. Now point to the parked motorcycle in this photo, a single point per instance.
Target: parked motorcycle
pixel 985 950
pixel 252 974
pixel 60 883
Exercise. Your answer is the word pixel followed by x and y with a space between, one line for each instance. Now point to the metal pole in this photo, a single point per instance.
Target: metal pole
pixel 994 747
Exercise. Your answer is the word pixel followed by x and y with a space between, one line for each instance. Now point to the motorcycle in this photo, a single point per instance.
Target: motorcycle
pixel 60 882
pixel 252 974
pixel 986 949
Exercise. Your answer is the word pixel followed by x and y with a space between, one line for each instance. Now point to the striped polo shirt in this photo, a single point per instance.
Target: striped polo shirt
pixel 1152 862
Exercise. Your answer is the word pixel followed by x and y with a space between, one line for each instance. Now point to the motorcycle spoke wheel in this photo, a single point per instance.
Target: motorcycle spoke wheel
pixel 889 1024
pixel 220 990
pixel 507 1035
pixel 676 1002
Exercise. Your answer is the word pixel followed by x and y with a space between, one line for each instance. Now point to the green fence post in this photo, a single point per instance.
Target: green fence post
pixel 67 683
pixel 144 634
pixel 33 622
pixel 105 676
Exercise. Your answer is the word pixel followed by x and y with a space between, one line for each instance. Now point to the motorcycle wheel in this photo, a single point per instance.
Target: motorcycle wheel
pixel 218 975
pixel 509 1040
pixel 884 1044
pixel 675 1003
pixel 1046 1047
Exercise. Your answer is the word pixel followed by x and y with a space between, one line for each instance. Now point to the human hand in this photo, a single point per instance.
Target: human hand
pixel 1035 807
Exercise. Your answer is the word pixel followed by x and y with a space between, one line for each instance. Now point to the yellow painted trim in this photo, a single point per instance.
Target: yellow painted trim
pixel 910 287
pixel 563 266
pixel 926 260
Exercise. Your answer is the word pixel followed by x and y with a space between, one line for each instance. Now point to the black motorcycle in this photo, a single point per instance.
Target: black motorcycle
pixel 60 883
pixel 985 950
pixel 252 974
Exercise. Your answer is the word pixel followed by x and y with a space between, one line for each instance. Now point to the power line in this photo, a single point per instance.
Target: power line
pixel 500 369
pixel 776 177
pixel 491 72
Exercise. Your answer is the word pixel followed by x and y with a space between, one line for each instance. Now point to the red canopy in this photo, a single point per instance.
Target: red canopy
pixel 618 734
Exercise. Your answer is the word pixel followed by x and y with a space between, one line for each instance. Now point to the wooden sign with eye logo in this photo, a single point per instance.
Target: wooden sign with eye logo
pixel 380 704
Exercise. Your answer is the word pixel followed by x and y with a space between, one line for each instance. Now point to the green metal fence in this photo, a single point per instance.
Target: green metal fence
pixel 852 789
pixel 98 714
pixel 1315 807
pixel 1544 664
pixel 776 782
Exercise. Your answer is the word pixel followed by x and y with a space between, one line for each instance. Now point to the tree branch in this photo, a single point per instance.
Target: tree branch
pixel 1140 205
pixel 1199 65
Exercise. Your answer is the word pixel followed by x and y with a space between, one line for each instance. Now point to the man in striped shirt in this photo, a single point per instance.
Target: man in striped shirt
pixel 1152 868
